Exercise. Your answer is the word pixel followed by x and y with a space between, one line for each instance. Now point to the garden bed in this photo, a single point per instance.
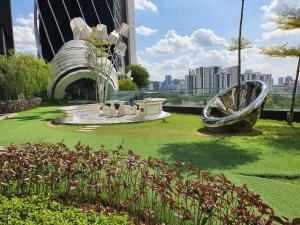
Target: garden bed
pixel 152 189
pixel 14 106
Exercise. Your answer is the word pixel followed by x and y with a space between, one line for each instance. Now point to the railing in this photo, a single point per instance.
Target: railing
pixel 279 98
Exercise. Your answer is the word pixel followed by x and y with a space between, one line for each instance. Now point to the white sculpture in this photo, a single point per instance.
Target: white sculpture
pixel 81 31
pixel 127 110
pixel 101 58
pixel 123 30
pixel 112 111
pixel 105 110
pixel 134 110
pixel 120 49
pixel 114 37
pixel 121 111
pixel 101 32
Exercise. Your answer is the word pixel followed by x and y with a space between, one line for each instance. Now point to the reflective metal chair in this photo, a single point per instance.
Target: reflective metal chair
pixel 225 113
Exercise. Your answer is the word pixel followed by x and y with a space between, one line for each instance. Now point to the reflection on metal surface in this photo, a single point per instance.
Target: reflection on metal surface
pixel 222 112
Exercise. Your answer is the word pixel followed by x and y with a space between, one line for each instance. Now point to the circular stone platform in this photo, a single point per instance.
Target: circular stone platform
pixel 91 115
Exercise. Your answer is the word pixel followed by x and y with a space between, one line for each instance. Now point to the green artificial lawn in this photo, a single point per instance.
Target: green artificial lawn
pixel 267 159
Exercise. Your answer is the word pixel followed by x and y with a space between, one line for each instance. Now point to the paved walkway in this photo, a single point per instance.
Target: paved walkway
pixel 88 129
pixel 7 116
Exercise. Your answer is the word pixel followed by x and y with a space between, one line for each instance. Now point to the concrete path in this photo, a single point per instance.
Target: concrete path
pixel 7 116
pixel 88 129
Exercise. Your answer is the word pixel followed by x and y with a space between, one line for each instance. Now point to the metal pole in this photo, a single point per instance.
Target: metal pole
pixel 80 9
pixel 46 32
pixel 63 1
pixel 53 14
pixel 92 1
pixel 111 13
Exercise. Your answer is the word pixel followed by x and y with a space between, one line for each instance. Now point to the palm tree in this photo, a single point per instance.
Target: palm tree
pixel 288 19
pixel 238 44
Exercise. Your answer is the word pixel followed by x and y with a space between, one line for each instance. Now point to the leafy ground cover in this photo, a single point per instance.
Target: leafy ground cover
pixel 153 190
pixel 38 210
pixel 267 159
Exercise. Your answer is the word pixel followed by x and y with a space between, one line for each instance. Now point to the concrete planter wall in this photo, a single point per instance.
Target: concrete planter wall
pixel 19 105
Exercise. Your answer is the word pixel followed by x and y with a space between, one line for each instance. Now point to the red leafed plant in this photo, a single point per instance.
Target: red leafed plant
pixel 152 189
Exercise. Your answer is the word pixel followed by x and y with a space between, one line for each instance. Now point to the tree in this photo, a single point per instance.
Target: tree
pixel 23 75
pixel 139 74
pixel 127 85
pixel 240 44
pixel 237 45
pixel 288 19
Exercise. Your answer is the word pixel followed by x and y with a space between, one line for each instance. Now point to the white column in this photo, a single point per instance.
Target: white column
pixel 130 14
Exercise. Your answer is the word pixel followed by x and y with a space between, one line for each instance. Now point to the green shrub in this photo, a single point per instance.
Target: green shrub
pixel 23 74
pixel 139 74
pixel 39 210
pixel 127 85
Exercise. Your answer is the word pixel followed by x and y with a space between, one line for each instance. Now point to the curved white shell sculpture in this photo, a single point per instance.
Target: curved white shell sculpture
pixel 71 64
pixel 222 113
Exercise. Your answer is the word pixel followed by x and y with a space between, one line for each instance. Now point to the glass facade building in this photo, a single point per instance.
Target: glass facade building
pixel 6 30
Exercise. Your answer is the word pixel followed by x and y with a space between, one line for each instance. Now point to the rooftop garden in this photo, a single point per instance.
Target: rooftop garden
pixel 266 159
pixel 169 171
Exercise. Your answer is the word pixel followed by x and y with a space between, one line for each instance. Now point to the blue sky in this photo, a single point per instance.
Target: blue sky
pixel 221 16
pixel 175 35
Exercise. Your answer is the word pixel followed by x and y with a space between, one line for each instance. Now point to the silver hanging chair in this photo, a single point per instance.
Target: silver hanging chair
pixel 224 113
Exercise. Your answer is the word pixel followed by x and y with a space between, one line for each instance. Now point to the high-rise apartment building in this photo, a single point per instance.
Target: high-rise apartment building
pixel 154 86
pixel 168 82
pixel 288 80
pixel 52 19
pixel 6 30
pixel 215 79
pixel 203 79
pixel 281 81
pixel 250 75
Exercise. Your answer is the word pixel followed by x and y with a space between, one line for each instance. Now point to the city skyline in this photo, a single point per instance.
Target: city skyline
pixel 212 78
pixel 173 37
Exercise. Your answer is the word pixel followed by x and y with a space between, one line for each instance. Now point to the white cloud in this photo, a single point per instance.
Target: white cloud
pixel 145 5
pixel 283 37
pixel 207 38
pixel 176 53
pixel 173 42
pixel 189 57
pixel 145 31
pixel 24 34
pixel 272 10
pixel 274 35
pixel 269 25
pixel 26 21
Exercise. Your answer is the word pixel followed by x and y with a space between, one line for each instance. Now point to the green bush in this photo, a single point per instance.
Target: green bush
pixel 39 210
pixel 139 74
pixel 23 74
pixel 127 85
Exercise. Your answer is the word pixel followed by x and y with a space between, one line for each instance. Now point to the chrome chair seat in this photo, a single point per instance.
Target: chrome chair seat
pixel 225 113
